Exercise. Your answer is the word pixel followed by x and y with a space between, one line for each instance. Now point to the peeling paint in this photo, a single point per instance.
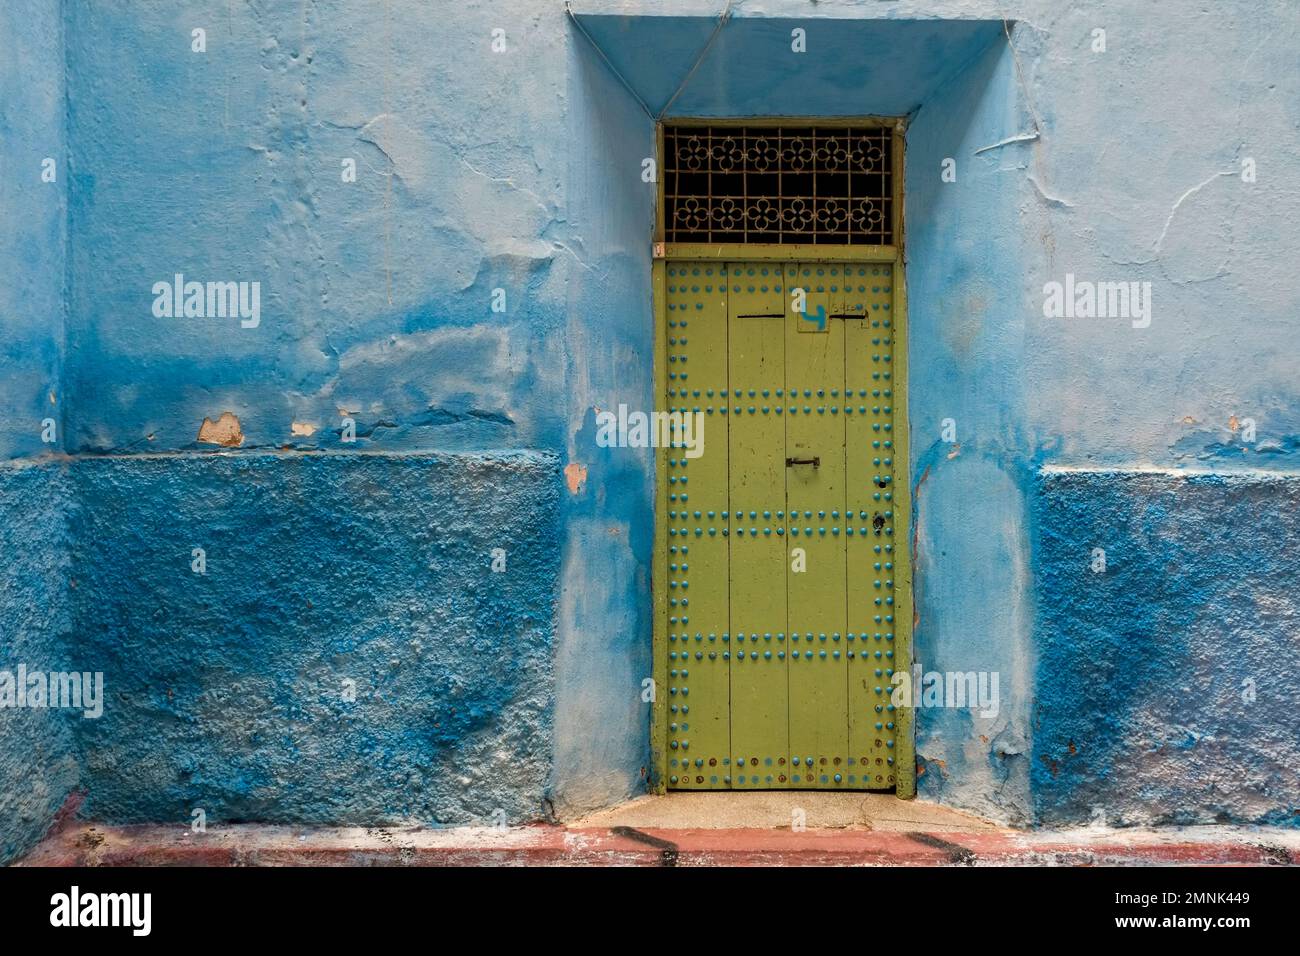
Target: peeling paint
pixel 224 431
pixel 1020 138
pixel 575 477
pixel 511 173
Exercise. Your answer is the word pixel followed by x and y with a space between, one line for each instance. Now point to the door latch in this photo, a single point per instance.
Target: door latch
pixel 815 461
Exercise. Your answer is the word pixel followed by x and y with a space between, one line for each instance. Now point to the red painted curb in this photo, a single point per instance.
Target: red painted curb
pixel 252 845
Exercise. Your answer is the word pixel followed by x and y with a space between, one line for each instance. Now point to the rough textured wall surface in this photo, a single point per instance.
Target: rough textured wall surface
pixel 519 171
pixel 469 289
pixel 38 762
pixel 1055 178
pixel 1166 675
pixel 228 690
pixel 1122 164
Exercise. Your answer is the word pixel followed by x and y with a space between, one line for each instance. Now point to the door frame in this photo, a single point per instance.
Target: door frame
pixel 662 254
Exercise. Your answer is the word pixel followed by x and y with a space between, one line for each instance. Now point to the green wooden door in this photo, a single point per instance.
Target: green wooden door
pixel 784 546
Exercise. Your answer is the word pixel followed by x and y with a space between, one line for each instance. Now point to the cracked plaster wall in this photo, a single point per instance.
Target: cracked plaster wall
pixel 478 171
pixel 1115 166
pixel 38 764
pixel 376 316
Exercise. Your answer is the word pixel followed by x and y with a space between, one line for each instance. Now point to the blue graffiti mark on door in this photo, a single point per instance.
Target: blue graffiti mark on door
pixel 819 319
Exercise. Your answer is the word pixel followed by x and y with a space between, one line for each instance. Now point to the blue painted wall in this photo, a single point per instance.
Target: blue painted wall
pixel 38 760
pixel 973 579
pixel 38 766
pixel 1055 176
pixel 376 295
pixel 604 622
pixel 1165 679
pixel 32 242
pixel 347 653
pixel 520 171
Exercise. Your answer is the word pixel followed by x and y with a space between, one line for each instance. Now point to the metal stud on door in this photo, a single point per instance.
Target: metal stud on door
pixel 873 555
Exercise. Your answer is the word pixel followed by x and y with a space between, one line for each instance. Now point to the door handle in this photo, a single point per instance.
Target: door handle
pixel 815 461
pixel 763 315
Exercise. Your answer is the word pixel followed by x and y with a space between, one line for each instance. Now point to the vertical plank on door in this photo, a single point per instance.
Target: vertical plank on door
pixel 694 492
pixel 815 495
pixel 757 641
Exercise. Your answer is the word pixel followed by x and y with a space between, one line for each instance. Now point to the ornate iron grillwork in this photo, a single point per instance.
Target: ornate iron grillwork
pixel 779 184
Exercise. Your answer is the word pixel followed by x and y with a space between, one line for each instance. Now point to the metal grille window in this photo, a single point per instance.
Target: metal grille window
pixel 779 184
